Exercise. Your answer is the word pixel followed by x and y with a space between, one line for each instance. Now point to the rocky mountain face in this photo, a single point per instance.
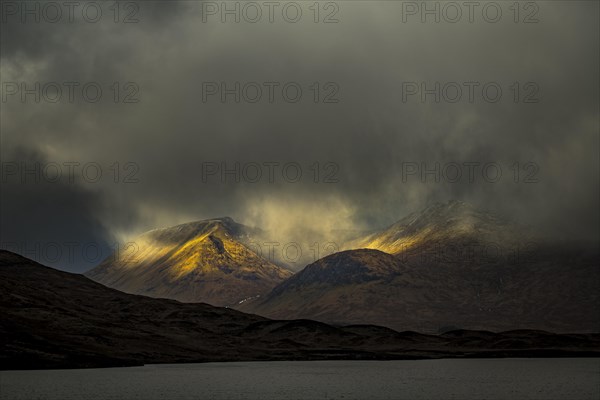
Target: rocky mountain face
pixel 452 231
pixel 54 319
pixel 206 261
pixel 448 266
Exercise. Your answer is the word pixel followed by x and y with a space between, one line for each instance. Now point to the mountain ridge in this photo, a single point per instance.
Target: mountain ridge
pixel 447 265
pixel 437 223
pixel 206 261
pixel 450 265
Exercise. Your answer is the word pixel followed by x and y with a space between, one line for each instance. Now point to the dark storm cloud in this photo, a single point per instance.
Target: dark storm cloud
pixel 48 216
pixel 363 142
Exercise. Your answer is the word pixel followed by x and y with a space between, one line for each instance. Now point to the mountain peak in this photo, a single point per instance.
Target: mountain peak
pixel 227 222
pixel 202 261
pixel 179 233
pixel 441 223
pixel 344 268
pixel 449 208
pixel 442 214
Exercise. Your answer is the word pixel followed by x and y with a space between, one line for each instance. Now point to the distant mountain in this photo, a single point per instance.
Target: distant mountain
pixel 448 266
pixel 449 231
pixel 208 261
pixel 54 319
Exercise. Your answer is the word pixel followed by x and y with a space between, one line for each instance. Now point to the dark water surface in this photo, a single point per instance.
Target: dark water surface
pixel 543 379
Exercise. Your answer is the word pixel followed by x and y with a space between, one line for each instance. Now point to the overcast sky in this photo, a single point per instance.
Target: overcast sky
pixel 361 122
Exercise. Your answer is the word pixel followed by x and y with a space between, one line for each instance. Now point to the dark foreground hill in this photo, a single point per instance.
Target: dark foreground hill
pixel 53 319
